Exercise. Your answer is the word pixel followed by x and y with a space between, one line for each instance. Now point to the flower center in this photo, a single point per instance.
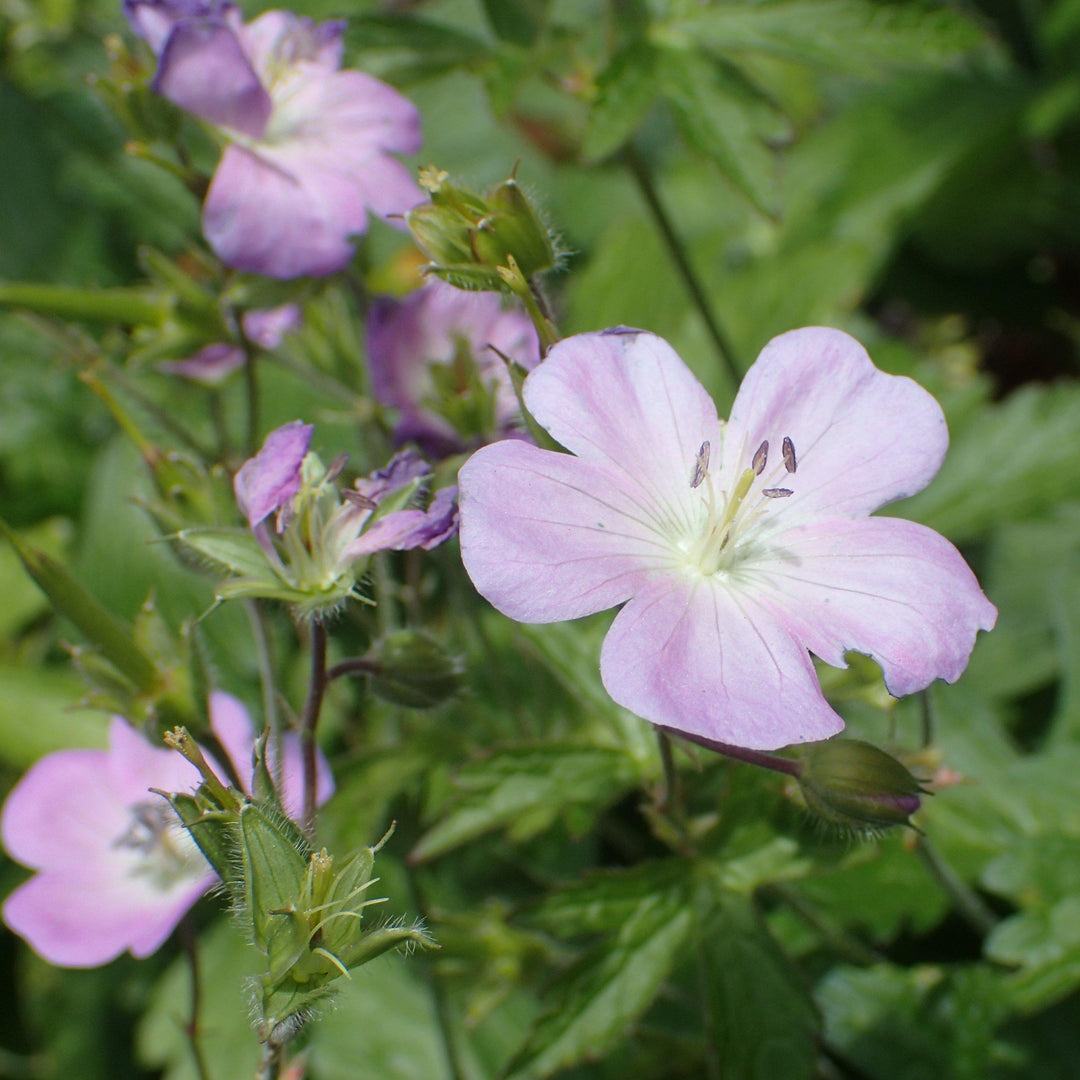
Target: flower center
pixel 730 514
pixel 160 847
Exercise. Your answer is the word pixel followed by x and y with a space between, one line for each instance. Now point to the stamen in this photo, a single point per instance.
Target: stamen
pixel 789 455
pixel 777 493
pixel 701 465
pixel 351 495
pixel 760 458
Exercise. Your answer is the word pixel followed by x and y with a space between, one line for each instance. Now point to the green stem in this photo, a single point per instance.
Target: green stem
pixel 671 796
pixel 191 1029
pixel 638 169
pixel 968 903
pixel 357 665
pixel 454 1065
pixel 251 383
pixel 261 637
pixel 846 946
pixel 309 719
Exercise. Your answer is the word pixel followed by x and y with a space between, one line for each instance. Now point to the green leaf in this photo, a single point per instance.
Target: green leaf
pixel 72 600
pixel 625 90
pixel 603 996
pixel 40 713
pixel 761 1022
pixel 607 899
pixel 421 48
pixel 516 21
pixel 723 116
pixel 1009 461
pixel 857 36
pixel 525 789
pixel 1046 946
pixel 226 962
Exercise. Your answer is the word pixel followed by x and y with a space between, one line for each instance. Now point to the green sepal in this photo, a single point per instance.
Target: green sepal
pixel 410 668
pixel 234 549
pixel 274 855
pixel 213 830
pixel 70 598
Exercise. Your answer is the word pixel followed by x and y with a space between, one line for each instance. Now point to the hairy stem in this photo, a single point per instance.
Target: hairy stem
pixel 763 760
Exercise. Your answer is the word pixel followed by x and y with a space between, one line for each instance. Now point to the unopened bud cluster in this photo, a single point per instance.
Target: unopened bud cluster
pixel 470 237
pixel 302 909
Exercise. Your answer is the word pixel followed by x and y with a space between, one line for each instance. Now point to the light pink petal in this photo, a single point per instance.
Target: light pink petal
pixel 281 220
pixel 268 480
pixel 62 810
pixel 890 588
pixel 135 765
pixel 292 775
pixel 710 659
pixel 232 725
pixel 79 917
pixel 204 70
pixel 862 438
pixel 547 536
pixel 210 366
pixel 623 399
pixel 343 119
pixel 280 37
pixel 268 326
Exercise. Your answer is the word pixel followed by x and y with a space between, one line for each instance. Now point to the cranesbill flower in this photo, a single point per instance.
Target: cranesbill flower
pixel 265 327
pixel 309 147
pixel 115 868
pixel 737 550
pixel 436 356
pixel 318 547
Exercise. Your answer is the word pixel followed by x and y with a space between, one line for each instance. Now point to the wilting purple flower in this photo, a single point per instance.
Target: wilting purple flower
pixel 310 146
pixel 736 550
pixel 265 327
pixel 116 870
pixel 266 482
pixel 438 326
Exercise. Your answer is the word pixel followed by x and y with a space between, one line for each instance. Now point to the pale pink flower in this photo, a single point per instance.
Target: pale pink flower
pixel 115 868
pixel 310 147
pixel 737 550
pixel 436 327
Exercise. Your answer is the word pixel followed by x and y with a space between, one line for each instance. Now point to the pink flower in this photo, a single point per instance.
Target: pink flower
pixel 310 146
pixel 737 550
pixel 266 482
pixel 439 326
pixel 213 364
pixel 115 869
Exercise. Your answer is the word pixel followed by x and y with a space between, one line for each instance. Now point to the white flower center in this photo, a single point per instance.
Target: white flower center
pixel 728 517
pixel 160 848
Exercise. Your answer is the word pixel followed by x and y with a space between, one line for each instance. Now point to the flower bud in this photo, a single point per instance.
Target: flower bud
pixel 468 236
pixel 851 782
pixel 408 667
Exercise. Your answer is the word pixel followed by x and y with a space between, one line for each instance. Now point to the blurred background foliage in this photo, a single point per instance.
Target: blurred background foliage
pixel 907 171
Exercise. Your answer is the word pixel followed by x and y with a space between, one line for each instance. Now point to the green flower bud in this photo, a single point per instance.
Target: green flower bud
pixel 512 227
pixel 851 782
pixel 409 667
pixel 468 237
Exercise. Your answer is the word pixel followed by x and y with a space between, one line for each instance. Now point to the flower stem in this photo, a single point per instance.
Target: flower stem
pixel 191 1028
pixel 763 760
pixel 638 169
pixel 968 903
pixel 356 665
pixel 251 382
pixel 672 792
pixel 308 721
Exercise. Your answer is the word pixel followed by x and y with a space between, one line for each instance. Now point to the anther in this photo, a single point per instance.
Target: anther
pixel 701 465
pixel 789 455
pixel 777 493
pixel 760 458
